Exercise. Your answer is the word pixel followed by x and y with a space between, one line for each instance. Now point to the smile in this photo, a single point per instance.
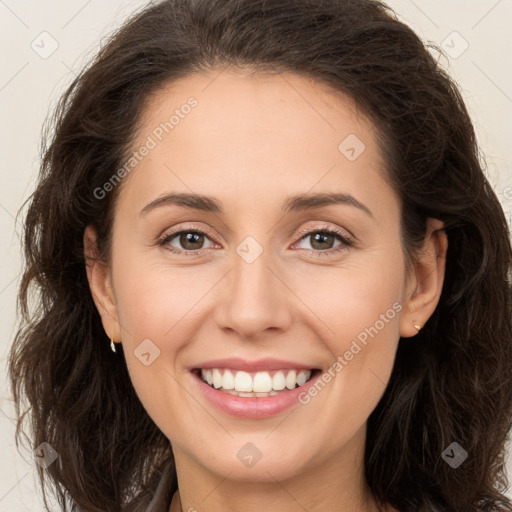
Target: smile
pixel 252 389
pixel 254 384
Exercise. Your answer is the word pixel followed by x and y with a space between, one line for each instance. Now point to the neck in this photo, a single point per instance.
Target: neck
pixel 176 506
pixel 335 484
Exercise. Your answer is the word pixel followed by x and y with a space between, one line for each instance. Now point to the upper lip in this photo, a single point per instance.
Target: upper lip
pixel 266 364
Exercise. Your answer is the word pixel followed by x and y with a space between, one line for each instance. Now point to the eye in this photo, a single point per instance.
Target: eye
pixel 322 240
pixel 191 241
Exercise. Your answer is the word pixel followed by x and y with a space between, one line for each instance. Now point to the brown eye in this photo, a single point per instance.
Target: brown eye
pixel 324 240
pixel 191 241
pixel 186 242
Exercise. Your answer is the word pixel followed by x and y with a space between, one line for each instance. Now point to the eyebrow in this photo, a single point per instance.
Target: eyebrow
pixel 299 202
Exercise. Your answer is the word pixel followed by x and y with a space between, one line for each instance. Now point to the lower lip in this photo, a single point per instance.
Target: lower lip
pixel 252 407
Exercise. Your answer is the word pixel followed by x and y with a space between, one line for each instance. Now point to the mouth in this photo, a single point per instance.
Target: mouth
pixel 254 384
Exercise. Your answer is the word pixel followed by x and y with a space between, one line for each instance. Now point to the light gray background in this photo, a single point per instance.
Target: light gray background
pixel 30 84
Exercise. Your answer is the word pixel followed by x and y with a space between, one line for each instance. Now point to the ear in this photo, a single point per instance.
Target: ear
pixel 425 281
pixel 100 283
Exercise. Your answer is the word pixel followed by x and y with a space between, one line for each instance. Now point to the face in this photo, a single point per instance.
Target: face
pixel 264 277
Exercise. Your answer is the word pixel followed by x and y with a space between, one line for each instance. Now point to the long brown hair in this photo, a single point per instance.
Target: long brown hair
pixel 451 383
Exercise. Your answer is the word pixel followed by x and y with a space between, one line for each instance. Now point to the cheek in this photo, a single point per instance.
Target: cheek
pixel 364 292
pixel 155 308
pixel 359 306
pixel 153 299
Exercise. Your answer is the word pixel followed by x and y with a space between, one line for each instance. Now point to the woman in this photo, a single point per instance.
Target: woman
pixel 274 214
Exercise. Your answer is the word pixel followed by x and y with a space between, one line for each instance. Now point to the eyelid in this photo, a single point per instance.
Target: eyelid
pixel 166 235
pixel 187 227
pixel 343 232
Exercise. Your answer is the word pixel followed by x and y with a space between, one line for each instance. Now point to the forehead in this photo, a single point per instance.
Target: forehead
pixel 230 132
pixel 265 103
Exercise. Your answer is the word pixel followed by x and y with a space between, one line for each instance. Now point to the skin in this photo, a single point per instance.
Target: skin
pixel 253 140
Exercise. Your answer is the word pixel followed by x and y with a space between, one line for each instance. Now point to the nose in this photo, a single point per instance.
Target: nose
pixel 254 299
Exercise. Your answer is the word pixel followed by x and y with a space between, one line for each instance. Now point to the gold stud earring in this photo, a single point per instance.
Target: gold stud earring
pixel 417 327
pixel 112 346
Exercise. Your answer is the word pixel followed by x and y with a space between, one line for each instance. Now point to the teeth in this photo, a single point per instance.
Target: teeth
pixel 236 393
pixel 262 383
pixel 217 378
pixel 291 379
pixel 242 383
pixel 228 381
pixel 301 378
pixel 278 381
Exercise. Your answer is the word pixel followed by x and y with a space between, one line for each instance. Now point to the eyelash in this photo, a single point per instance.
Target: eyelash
pixel 346 242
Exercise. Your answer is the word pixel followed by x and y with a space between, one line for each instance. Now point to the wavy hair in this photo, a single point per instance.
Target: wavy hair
pixel 450 383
